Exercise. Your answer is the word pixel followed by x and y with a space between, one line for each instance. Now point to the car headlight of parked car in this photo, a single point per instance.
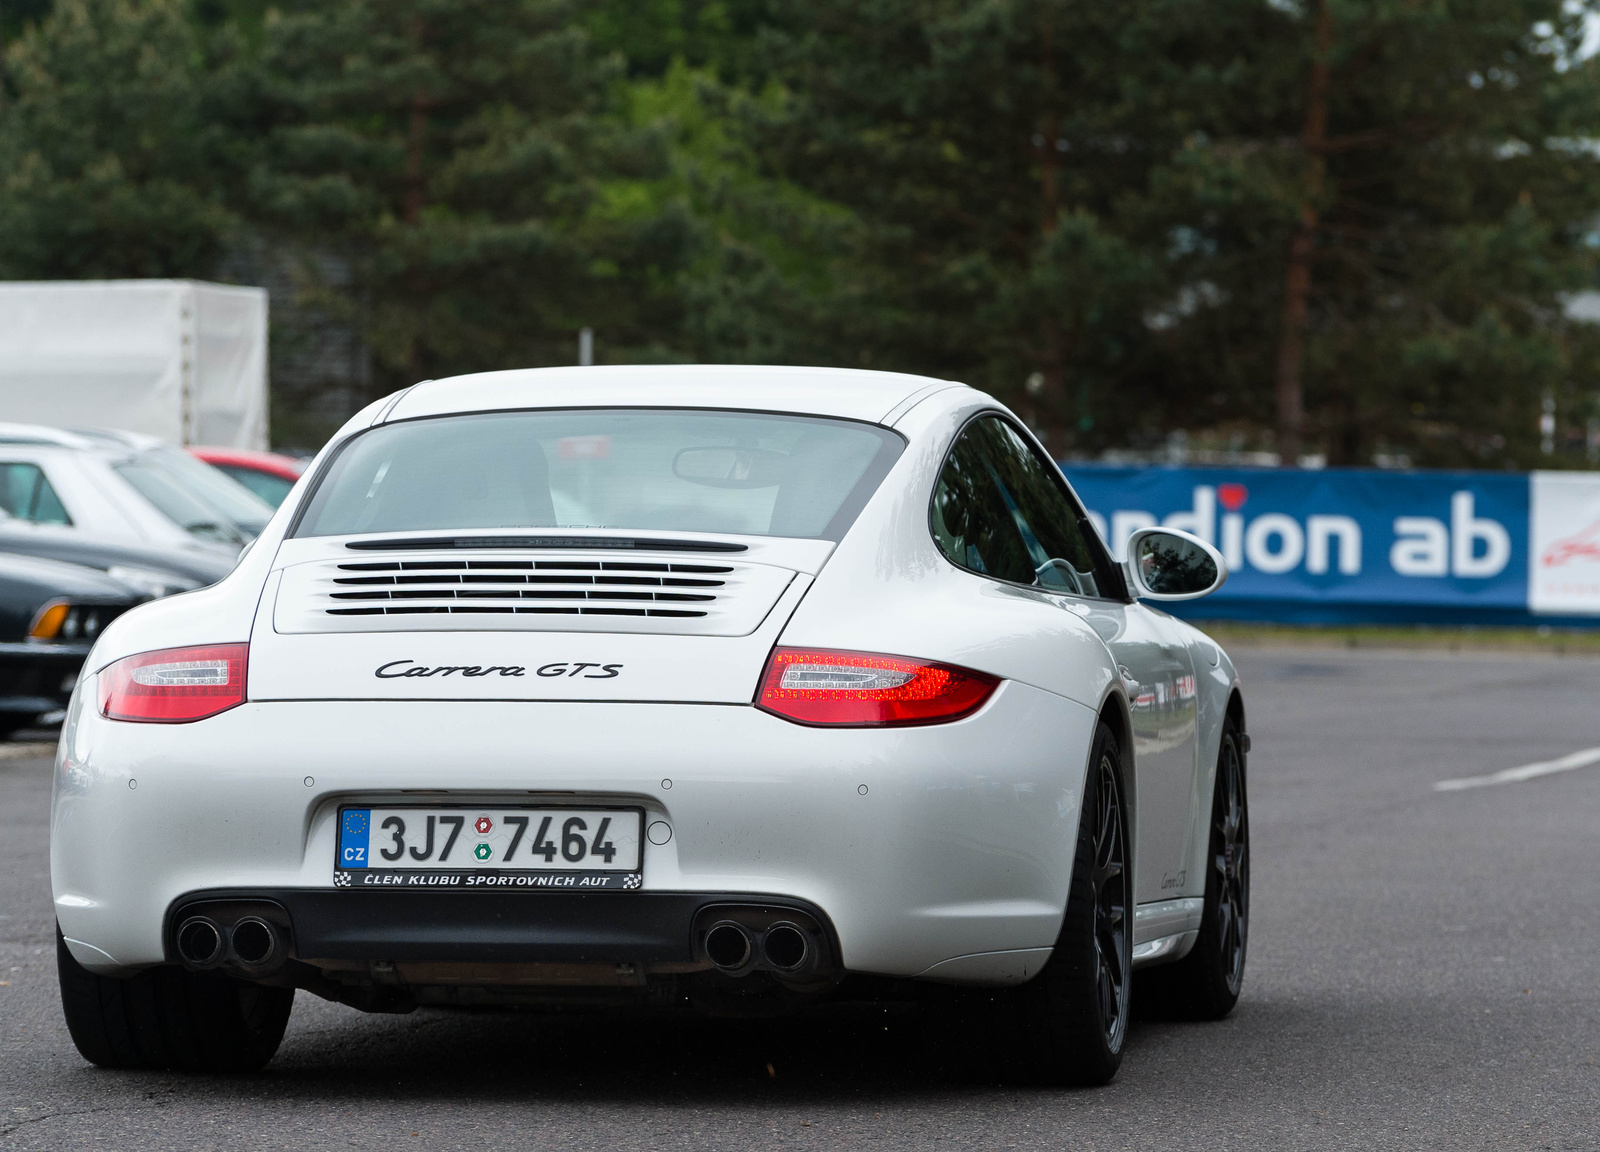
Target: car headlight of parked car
pixel 60 622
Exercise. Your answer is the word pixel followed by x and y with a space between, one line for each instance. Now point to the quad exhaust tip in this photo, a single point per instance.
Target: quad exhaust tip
pixel 729 946
pixel 200 943
pixel 252 946
pixel 783 947
pixel 254 942
pixel 786 947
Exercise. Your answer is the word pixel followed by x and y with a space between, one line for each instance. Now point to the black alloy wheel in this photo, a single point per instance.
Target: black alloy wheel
pixel 1110 880
pixel 1230 864
pixel 1068 1024
pixel 1205 984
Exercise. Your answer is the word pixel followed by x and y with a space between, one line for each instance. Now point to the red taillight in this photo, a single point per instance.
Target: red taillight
pixel 174 685
pixel 859 688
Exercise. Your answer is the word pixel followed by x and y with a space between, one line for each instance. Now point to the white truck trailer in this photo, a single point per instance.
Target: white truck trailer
pixel 179 359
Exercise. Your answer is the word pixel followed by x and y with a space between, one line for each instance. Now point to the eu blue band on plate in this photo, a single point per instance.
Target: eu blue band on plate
pixel 354 827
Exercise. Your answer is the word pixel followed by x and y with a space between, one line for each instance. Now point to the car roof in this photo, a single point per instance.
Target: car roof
pixel 117 439
pixel 40 435
pixel 77 439
pixel 849 393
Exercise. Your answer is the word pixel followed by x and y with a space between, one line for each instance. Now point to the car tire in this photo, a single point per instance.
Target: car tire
pixel 169 1019
pixel 1068 1024
pixel 1205 984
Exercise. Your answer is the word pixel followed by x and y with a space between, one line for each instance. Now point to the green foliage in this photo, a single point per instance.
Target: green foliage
pixel 774 274
pixel 652 35
pixel 1104 195
pixel 1085 208
pixel 1453 217
pixel 18 15
pixel 452 157
pixel 997 160
pixel 106 159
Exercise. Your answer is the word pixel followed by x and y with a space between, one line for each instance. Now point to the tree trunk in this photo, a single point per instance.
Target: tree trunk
pixel 415 183
pixel 1046 404
pixel 1302 245
pixel 416 139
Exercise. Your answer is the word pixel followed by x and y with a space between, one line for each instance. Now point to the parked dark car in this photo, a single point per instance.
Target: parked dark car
pixel 156 571
pixel 50 614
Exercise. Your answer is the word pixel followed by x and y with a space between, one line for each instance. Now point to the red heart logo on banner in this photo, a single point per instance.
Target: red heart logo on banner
pixel 1232 496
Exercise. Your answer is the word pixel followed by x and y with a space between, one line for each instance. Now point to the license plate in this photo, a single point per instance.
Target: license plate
pixel 571 849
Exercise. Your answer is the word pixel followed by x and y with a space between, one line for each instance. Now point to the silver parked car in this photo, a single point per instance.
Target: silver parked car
pixel 125 487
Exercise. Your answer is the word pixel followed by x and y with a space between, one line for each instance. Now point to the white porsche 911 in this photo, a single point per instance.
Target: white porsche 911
pixel 685 685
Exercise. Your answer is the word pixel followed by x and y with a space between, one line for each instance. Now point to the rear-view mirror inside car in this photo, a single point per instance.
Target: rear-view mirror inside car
pixel 730 467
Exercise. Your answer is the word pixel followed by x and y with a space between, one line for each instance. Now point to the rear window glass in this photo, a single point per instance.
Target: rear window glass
pixel 268 487
pixel 215 488
pixel 178 503
pixel 676 470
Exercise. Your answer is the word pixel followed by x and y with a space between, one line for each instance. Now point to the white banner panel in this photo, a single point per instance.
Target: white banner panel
pixel 177 359
pixel 93 355
pixel 229 405
pixel 1564 543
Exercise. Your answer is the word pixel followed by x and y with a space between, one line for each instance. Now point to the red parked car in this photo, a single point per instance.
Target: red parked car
pixel 267 474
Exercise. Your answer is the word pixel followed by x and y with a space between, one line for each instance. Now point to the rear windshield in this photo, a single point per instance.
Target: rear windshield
pixel 676 470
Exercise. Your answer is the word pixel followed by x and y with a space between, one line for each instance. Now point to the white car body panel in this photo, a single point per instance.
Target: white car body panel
pixel 556 665
pixel 941 852
pixel 971 852
pixel 96 499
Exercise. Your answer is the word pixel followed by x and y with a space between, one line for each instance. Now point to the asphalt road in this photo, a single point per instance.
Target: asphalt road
pixel 1423 973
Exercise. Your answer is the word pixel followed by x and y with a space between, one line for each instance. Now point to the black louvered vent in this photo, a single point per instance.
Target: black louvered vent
pixel 532 587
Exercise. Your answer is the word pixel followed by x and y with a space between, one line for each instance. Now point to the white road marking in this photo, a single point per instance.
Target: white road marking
pixel 1527 772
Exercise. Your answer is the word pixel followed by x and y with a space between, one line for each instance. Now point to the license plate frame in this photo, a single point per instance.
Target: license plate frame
pixel 458 852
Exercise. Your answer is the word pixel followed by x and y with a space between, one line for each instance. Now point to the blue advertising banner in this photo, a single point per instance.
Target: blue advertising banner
pixel 1338 544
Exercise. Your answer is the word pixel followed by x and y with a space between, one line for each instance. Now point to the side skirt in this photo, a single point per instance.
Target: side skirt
pixel 1165 930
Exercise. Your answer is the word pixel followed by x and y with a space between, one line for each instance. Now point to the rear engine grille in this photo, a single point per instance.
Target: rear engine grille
pixel 572 592
pixel 534 587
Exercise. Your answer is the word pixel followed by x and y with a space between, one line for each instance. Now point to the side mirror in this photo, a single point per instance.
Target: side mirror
pixel 1166 564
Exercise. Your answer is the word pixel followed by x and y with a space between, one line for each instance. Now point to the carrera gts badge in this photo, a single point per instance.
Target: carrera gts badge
pixel 398 668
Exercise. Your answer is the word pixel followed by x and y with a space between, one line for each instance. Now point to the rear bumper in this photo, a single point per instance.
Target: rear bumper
pixel 488 927
pixel 943 851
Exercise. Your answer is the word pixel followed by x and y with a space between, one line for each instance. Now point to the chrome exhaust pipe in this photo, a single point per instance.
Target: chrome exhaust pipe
pixel 786 947
pixel 200 943
pixel 728 946
pixel 255 943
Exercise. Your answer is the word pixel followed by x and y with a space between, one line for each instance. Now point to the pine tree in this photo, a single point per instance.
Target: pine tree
pixel 1439 201
pixel 458 172
pixel 107 164
pixel 1162 215
pixel 653 35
